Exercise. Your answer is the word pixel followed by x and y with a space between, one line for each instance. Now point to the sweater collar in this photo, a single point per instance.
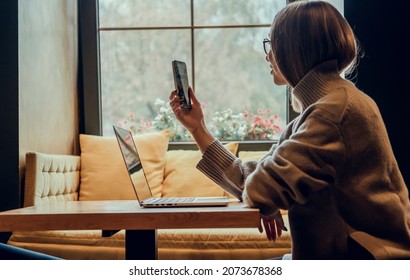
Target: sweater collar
pixel 315 84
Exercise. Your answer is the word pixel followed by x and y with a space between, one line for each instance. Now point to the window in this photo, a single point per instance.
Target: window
pixel 221 42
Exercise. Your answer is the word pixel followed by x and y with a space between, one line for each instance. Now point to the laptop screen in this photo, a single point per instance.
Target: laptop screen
pixel 133 163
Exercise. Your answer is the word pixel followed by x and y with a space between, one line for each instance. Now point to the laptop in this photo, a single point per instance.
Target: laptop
pixel 143 192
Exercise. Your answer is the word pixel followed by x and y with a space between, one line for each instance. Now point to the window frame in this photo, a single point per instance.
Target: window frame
pixel 90 106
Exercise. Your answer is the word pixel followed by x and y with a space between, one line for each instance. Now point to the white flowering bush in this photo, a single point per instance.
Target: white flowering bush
pixel 165 119
pixel 229 126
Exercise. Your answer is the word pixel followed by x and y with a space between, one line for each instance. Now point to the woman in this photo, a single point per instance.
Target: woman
pixel 333 168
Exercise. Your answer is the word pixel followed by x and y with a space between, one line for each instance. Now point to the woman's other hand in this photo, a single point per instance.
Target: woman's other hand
pixel 273 225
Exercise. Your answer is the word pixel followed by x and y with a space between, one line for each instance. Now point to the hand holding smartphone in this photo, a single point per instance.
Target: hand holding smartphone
pixel 181 83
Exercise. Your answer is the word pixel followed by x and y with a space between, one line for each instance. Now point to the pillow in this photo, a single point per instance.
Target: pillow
pixel 103 173
pixel 248 155
pixel 182 178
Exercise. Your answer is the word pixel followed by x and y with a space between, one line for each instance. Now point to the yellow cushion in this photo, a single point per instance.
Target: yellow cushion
pixel 247 155
pixel 103 173
pixel 182 178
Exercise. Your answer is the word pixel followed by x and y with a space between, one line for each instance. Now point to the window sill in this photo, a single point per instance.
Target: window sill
pixel 243 145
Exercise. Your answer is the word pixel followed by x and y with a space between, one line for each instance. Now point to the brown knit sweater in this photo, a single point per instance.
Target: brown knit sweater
pixel 333 169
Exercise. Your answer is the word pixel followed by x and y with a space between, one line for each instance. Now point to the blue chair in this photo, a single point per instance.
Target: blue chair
pixel 8 252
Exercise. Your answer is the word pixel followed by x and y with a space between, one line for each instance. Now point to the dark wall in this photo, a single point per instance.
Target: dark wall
pixel 9 174
pixel 381 27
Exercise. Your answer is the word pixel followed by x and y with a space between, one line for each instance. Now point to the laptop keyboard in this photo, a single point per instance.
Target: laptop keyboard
pixel 167 200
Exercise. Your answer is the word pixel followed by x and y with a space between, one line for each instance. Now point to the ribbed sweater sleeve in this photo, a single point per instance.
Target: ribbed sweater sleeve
pixel 224 168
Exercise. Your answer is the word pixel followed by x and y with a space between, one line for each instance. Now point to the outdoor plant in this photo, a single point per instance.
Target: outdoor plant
pixel 262 126
pixel 225 125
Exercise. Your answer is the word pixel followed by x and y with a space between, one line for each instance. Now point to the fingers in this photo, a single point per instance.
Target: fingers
pixel 174 101
pixel 278 231
pixel 172 94
pixel 272 226
pixel 192 95
pixel 270 229
pixel 267 228
pixel 279 219
pixel 273 229
pixel 174 98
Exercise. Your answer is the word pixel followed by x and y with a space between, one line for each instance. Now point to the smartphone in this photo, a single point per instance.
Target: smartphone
pixel 181 83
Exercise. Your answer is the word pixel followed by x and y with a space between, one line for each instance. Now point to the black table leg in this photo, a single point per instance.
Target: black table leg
pixel 141 245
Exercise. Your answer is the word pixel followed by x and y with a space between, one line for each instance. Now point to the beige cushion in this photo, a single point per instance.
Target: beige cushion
pixel 72 244
pixel 182 178
pixel 247 156
pixel 220 244
pixel 103 173
pixel 51 178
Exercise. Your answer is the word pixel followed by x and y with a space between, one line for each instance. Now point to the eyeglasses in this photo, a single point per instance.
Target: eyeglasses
pixel 266 45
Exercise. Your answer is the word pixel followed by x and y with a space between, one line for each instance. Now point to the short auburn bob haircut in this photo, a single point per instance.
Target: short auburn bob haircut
pixel 305 34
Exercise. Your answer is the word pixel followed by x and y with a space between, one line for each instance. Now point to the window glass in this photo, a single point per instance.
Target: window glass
pixel 143 13
pixel 238 76
pixel 235 12
pixel 221 43
pixel 136 70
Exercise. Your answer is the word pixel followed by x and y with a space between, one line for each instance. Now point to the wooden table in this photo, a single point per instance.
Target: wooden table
pixel 140 224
